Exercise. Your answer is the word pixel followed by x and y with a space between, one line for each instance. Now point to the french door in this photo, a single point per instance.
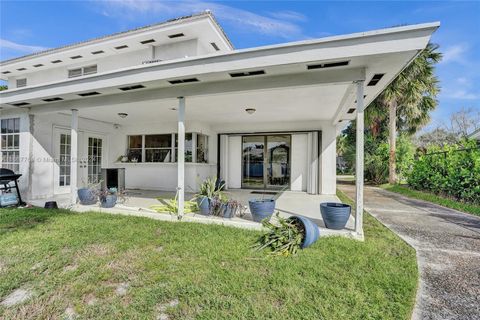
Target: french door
pixel 266 161
pixel 90 159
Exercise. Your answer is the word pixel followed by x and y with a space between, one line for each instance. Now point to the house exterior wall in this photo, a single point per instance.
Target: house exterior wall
pixel 38 158
pixel 163 176
pixel 47 74
pixel 326 158
pixel 43 149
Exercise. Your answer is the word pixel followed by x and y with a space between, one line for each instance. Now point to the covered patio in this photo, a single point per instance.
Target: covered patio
pixel 306 92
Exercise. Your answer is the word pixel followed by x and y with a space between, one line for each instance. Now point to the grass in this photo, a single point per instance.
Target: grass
pixel 430 197
pixel 77 261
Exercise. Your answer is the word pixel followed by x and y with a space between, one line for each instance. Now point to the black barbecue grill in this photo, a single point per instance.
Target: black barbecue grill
pixel 6 177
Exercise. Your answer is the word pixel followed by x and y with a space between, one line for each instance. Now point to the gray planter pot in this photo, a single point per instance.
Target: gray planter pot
pixel 335 215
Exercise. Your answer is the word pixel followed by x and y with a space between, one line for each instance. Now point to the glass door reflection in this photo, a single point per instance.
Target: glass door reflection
pixel 253 161
pixel 266 161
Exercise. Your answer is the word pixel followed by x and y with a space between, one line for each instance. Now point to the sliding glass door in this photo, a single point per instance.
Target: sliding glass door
pixel 266 161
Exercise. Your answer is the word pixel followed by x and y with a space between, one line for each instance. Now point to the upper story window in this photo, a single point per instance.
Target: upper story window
pixel 21 82
pixel 82 71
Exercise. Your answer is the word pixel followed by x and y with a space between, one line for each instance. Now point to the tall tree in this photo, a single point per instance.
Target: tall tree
pixel 410 98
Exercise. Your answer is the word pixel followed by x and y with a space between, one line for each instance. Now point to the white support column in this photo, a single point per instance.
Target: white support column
pixel 181 156
pixel 359 161
pixel 74 156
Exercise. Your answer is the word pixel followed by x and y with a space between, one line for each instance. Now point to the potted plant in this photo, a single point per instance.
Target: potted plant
pixel 207 191
pixel 231 208
pixel 263 208
pixel 108 197
pixel 122 158
pixel 335 215
pixel 88 194
pixel 217 205
pixel 288 235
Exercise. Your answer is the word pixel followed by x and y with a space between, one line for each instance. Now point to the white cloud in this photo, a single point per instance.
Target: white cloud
pixel 6 44
pixel 240 18
pixel 288 15
pixel 454 53
pixel 463 81
pixel 461 94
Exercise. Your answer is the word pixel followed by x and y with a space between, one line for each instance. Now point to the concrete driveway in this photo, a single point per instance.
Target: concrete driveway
pixel 448 251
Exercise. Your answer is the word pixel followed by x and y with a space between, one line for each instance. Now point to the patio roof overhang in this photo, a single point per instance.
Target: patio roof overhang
pixel 311 78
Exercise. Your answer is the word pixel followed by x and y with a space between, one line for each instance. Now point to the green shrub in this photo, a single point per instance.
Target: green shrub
pixel 452 171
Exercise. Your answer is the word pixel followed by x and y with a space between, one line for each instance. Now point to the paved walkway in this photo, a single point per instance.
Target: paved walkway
pixel 448 251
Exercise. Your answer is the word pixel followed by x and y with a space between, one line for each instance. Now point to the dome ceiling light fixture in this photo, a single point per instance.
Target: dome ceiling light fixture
pixel 250 110
pixel 122 115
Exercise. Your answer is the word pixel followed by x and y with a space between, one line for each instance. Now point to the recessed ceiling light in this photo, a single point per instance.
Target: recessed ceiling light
pixel 122 115
pixel 250 110
pixel 173 109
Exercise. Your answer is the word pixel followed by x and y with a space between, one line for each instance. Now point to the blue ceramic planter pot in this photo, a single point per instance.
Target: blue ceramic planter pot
pixel 86 196
pixel 109 201
pixel 228 211
pixel 204 205
pixel 311 231
pixel 335 215
pixel 261 209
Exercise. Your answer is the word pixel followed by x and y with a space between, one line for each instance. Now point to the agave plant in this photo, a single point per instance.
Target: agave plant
pixel 171 206
pixel 284 238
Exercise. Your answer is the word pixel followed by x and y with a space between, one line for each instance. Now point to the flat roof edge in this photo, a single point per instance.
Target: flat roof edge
pixel 179 20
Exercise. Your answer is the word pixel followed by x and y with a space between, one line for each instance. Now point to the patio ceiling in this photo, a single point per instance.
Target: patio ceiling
pixel 289 104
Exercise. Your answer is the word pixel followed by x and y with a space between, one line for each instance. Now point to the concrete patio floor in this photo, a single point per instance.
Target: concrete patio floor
pixel 139 203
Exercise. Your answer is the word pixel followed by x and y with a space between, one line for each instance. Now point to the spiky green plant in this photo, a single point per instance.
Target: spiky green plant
pixel 283 239
pixel 171 206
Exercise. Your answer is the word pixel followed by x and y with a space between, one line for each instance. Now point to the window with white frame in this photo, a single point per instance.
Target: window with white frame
pixel 135 148
pixel 202 148
pixel 158 147
pixel 188 147
pixel 82 71
pixel 21 82
pixel 10 143
pixel 164 147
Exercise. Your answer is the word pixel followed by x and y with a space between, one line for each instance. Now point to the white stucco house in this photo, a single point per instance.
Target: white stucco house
pixel 183 104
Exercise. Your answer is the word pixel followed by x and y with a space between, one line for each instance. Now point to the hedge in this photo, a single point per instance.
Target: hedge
pixel 452 171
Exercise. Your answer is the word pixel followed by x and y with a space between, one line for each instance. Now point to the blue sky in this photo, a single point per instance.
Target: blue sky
pixel 29 26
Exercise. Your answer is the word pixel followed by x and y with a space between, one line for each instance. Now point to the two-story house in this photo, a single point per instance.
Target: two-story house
pixel 177 103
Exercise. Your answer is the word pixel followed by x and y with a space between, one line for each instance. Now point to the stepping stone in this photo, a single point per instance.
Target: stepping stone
pixel 70 314
pixel 122 289
pixel 162 307
pixel 16 297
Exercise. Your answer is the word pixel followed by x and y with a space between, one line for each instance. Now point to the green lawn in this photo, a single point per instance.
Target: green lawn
pixel 78 261
pixel 449 203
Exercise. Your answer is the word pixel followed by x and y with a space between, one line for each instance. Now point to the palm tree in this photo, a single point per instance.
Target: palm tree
pixel 410 98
